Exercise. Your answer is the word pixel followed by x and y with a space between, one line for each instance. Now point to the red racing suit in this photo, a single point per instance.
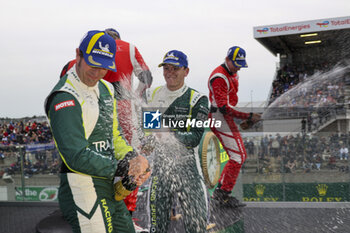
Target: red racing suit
pixel 223 88
pixel 128 60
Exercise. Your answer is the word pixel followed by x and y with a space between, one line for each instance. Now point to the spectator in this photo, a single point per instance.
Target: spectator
pixel 2 157
pixel 306 165
pixel 309 122
pixel 275 147
pixel 29 170
pixel 54 168
pixel 250 147
pixel 332 162
pixel 290 166
pixel 40 167
pixel 317 161
pixel 314 120
pixel 265 166
pixel 264 143
pixel 303 125
pixel 343 153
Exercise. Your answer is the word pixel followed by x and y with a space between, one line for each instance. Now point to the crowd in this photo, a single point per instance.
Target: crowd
pixel 317 93
pixel 313 93
pixel 24 132
pixel 300 152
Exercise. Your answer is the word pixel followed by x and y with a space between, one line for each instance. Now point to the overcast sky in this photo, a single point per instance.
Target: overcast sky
pixel 38 37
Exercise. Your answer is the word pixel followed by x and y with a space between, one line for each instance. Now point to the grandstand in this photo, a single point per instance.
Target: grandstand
pixel 313 75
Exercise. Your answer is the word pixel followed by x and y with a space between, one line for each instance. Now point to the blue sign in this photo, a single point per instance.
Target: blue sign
pixel 40 147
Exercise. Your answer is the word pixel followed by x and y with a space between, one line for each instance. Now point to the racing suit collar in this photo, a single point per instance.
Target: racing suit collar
pixel 178 92
pixel 83 86
pixel 224 65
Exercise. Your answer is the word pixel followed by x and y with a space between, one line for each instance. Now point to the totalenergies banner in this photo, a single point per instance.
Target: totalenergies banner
pixel 302 27
pixel 301 192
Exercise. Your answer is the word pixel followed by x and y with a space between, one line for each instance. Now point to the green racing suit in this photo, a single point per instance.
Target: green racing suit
pixel 85 129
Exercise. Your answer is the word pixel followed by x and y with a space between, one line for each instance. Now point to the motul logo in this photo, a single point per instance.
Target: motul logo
pixel 68 103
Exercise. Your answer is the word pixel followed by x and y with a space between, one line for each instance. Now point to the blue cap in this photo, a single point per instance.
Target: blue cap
pixel 99 50
pixel 176 58
pixel 113 33
pixel 237 56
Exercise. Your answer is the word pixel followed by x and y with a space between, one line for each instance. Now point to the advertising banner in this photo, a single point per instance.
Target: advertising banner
pixel 39 147
pixel 301 192
pixel 302 27
pixel 37 193
pixel 263 192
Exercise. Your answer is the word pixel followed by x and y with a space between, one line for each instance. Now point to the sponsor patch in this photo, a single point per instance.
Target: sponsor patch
pixel 68 103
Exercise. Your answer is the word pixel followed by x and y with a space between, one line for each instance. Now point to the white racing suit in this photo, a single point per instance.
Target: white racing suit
pixel 176 171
